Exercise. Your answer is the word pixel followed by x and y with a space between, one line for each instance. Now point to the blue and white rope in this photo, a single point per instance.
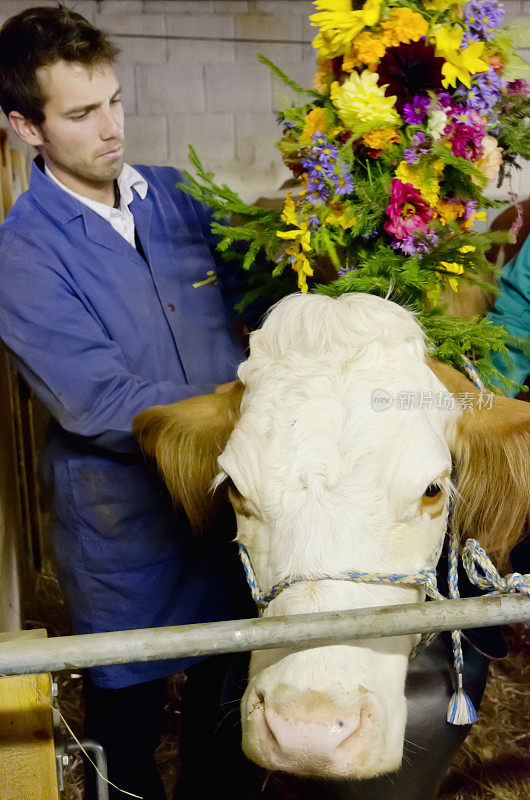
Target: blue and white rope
pixel 473 375
pixel 461 710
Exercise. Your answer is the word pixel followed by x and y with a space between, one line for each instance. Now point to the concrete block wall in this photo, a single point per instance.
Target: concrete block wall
pixel 206 88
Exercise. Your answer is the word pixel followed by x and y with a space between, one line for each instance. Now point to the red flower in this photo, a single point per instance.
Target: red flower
pixel 408 211
pixel 410 70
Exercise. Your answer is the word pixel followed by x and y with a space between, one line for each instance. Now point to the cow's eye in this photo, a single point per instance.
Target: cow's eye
pixel 433 490
pixel 232 488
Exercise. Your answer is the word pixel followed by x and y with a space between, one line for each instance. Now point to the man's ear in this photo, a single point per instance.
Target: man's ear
pixel 26 130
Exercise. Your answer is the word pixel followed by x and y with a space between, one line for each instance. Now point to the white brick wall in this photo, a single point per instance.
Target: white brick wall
pixel 212 94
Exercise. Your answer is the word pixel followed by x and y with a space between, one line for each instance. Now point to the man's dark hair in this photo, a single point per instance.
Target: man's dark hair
pixel 39 37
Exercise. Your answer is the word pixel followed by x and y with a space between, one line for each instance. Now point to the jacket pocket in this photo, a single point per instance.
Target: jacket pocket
pixel 124 517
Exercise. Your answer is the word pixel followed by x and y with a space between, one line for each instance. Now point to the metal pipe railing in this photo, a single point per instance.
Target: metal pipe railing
pixel 151 644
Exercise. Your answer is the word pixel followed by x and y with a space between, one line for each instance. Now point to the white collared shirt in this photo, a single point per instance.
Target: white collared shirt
pixel 120 218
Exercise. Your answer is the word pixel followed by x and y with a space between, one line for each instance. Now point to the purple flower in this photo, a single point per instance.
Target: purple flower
pixel 469 38
pixel 317 192
pixel 343 180
pixel 414 112
pixel 326 174
pixel 325 151
pixel 470 207
pixel 417 244
pixel 420 144
pixel 313 222
pixel 406 246
pixel 280 119
pixel 485 92
pixel 483 16
pixel 445 100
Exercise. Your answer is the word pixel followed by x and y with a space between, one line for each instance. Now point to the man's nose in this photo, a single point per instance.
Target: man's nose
pixel 111 125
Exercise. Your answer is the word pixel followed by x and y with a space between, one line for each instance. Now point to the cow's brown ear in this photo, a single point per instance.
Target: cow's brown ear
pixel 185 439
pixel 491 450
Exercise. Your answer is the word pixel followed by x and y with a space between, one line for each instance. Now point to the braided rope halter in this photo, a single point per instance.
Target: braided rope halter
pixel 461 710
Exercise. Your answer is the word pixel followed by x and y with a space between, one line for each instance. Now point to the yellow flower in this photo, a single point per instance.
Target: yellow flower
pixel 302 237
pixel 447 210
pixel 362 104
pixel 452 266
pixel 403 26
pixel 339 24
pixel 368 50
pixel 438 5
pixel 467 248
pixel 425 181
pixel 467 224
pixel 289 214
pixel 337 216
pixel 381 138
pixel 459 64
pixel 300 245
pixel 301 265
pixel 314 121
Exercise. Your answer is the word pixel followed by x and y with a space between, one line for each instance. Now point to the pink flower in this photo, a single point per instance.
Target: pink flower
pixel 408 211
pixel 466 132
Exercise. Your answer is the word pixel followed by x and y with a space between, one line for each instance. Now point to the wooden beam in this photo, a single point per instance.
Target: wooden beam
pixel 27 753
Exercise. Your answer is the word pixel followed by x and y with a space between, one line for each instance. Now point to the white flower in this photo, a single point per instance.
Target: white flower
pixel 491 161
pixel 437 122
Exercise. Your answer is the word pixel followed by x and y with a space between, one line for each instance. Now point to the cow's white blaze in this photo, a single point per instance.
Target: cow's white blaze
pixel 322 483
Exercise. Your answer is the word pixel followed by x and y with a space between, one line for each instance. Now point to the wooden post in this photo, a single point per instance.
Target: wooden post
pixel 27 753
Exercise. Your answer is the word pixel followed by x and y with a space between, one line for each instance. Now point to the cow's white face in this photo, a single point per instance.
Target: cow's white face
pixel 323 483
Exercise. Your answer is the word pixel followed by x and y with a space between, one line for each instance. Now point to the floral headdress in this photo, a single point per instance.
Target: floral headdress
pixel 415 107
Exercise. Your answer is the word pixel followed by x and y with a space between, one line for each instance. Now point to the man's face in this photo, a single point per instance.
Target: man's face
pixel 82 135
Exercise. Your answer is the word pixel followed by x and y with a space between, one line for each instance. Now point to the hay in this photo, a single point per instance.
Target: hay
pixel 493 764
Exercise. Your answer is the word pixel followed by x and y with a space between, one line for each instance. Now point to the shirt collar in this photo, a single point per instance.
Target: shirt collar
pixel 128 180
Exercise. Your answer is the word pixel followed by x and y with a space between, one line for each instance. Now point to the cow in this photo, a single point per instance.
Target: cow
pixel 341 447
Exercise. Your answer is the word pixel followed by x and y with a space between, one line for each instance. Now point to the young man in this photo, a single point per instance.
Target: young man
pixel 108 306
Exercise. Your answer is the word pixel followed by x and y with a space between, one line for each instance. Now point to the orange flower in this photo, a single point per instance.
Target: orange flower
pixel 448 210
pixel 369 49
pixel 314 121
pixel 379 139
pixel 403 26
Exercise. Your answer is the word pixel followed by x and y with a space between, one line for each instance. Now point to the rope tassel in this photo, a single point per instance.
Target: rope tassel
pixel 461 710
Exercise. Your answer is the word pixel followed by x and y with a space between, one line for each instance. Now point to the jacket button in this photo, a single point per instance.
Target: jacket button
pixel 171 307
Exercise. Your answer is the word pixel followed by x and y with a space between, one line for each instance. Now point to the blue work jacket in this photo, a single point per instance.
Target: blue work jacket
pixel 100 333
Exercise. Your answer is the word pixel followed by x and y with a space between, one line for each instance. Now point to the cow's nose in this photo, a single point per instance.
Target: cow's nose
pixel 302 744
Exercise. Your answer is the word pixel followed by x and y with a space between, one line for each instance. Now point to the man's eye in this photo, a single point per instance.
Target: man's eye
pixel 115 100
pixel 80 116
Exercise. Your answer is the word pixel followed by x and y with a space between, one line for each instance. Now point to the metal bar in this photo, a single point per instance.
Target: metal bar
pixel 151 644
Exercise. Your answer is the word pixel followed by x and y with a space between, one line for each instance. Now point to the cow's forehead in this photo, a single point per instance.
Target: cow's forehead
pixel 297 425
